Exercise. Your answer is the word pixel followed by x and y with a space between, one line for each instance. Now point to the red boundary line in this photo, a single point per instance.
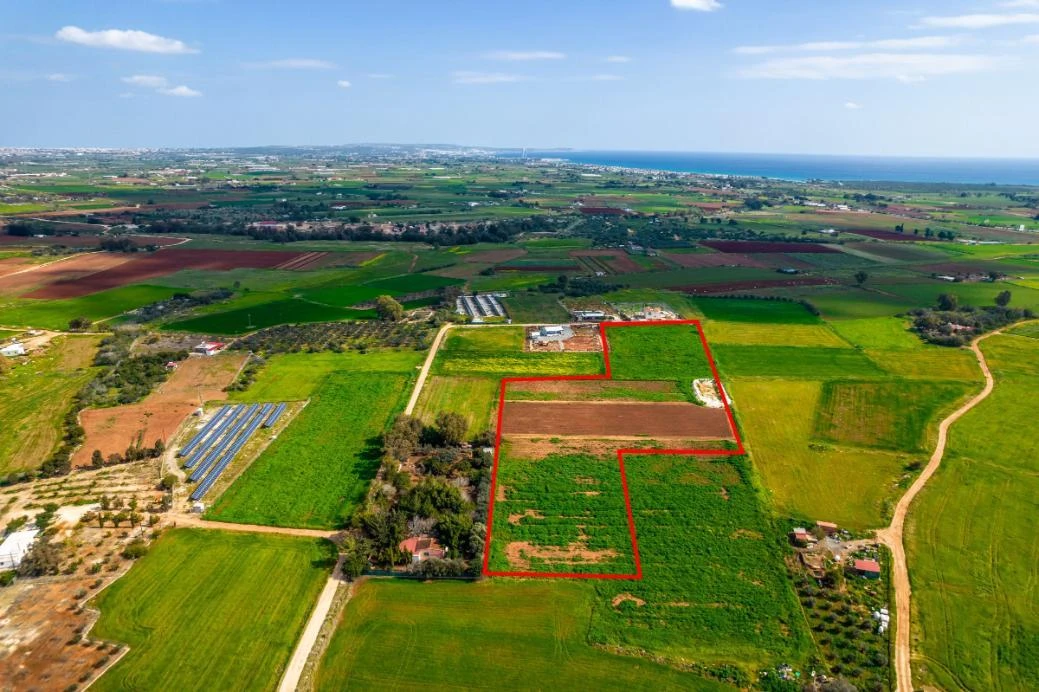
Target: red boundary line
pixel 621 453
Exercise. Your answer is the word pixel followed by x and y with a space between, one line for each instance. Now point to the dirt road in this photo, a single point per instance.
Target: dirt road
pixel 293 672
pixel 892 536
pixel 196 522
pixel 424 373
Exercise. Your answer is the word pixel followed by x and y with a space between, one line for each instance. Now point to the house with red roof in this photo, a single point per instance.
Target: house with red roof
pixel 870 569
pixel 422 548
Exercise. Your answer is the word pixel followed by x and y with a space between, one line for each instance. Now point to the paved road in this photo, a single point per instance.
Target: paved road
pixel 893 538
pixel 290 679
pixel 424 373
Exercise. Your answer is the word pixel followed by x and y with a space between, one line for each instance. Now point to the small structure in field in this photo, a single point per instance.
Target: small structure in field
pixel 588 315
pixel 827 527
pixel 15 547
pixel 15 348
pixel 801 536
pixel 209 348
pixel 550 334
pixel 706 391
pixel 870 569
pixel 422 548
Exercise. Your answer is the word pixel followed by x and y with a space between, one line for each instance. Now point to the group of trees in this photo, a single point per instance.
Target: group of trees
pixel 953 324
pixel 134 452
pixel 337 337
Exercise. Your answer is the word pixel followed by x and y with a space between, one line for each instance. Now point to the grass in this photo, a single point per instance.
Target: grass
pixel 879 333
pixel 247 319
pixel 475 398
pixel 535 308
pixel 742 310
pixel 296 376
pixel 798 362
pixel 318 470
pixel 971 548
pixel 195 615
pixel 338 295
pixel 657 353
pixel 852 487
pixel 484 339
pixel 751 333
pixel 34 397
pixel 885 415
pixel 714 585
pixel 55 314
pixel 568 510
pixel 492 635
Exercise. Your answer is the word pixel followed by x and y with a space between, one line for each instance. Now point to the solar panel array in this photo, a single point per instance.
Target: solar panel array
pixel 215 446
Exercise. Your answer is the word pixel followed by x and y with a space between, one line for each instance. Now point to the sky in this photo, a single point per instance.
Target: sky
pixel 881 77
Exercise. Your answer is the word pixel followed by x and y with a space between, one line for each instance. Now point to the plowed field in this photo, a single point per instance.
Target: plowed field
pixel 606 419
pixel 72 269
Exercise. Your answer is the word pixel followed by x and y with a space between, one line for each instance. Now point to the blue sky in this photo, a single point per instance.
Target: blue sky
pixel 927 78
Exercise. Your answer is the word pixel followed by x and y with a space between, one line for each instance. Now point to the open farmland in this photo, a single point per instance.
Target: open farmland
pixel 467 642
pixel 319 469
pixel 798 362
pixel 659 352
pixel 971 550
pixel 34 396
pixel 559 515
pixel 475 398
pixel 97 307
pixel 193 615
pixel 756 311
pixel 496 352
pixel 667 419
pixel 268 314
pixel 75 267
pixel 751 333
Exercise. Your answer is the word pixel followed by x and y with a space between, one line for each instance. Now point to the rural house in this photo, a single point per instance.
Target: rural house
pixel 209 348
pixel 829 528
pixel 870 569
pixel 422 548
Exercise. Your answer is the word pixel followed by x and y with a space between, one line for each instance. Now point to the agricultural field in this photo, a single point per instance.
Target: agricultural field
pixel 475 398
pixel 97 307
pixel 34 396
pixel 467 642
pixel 534 308
pixel 750 333
pixel 319 469
pixel 192 611
pixel 972 557
pixel 795 362
pixel 657 353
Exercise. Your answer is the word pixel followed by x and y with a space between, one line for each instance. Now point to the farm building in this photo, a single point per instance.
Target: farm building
pixel 801 536
pixel 829 528
pixel 481 306
pixel 14 548
pixel 13 349
pixel 422 548
pixel 588 315
pixel 867 568
pixel 209 348
pixel 551 334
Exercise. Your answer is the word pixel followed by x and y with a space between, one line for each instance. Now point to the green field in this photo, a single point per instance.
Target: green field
pixel 751 333
pixel 491 364
pixel 561 514
pixel 475 398
pixel 741 310
pixel 657 353
pixel 319 469
pixel 211 610
pixel 55 314
pixel 798 362
pixel 535 308
pixel 971 544
pixel 491 635
pixel 879 333
pixel 492 339
pixel 35 396
pixel 247 319
pixel 338 295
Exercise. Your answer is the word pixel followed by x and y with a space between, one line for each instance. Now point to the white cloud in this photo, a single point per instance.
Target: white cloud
pixel 905 67
pixel 469 77
pixel 292 64
pixel 343 84
pixel 852 106
pixel 128 39
pixel 698 5
pixel 183 91
pixel 58 77
pixel 920 42
pixel 981 21
pixel 910 79
pixel 525 55
pixel 149 81
pixel 618 59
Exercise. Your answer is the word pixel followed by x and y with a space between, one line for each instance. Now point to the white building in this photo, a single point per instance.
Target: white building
pixel 14 548
pixel 209 348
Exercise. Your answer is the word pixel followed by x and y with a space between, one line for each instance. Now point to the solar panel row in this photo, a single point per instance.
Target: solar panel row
pixel 227 422
pixel 206 429
pixel 205 485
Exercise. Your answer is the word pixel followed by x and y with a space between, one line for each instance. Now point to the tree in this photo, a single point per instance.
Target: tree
pixel 79 324
pixel 43 558
pixel 403 437
pixel 97 460
pixel 452 428
pixel 158 448
pixel 169 481
pixel 948 302
pixel 1003 299
pixel 388 309
pixel 861 277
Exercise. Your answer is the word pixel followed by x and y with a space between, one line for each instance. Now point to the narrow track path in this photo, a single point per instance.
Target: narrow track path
pixel 893 535
pixel 294 671
pixel 424 373
pixel 195 522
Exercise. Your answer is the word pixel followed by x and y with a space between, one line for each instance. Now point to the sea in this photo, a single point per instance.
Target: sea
pixel 795 167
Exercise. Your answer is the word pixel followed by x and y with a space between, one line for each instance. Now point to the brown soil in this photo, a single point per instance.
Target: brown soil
pixel 161 413
pixel 538 447
pixel 515 519
pixel 149 266
pixel 586 339
pixel 10 265
pixel 736 286
pixel 714 259
pixel 70 269
pixel 519 554
pixel 39 620
pixel 617 260
pixel 308 260
pixel 608 418
pixel 590 388
pixel 627 598
pixel 499 495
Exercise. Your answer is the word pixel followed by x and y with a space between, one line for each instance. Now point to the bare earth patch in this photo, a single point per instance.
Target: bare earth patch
pixel 649 420
pixel 520 553
pixel 627 598
pixel 535 447
pixel 515 519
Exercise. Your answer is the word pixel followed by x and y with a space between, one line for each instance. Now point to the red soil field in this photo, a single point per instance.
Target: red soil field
pixel 713 259
pixel 613 419
pixel 888 235
pixel 149 266
pixel 754 246
pixel 86 240
pixel 617 260
pixel 308 260
pixel 537 268
pixel 70 269
pixel 736 286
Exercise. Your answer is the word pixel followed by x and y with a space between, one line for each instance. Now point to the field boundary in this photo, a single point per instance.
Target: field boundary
pixel 621 453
